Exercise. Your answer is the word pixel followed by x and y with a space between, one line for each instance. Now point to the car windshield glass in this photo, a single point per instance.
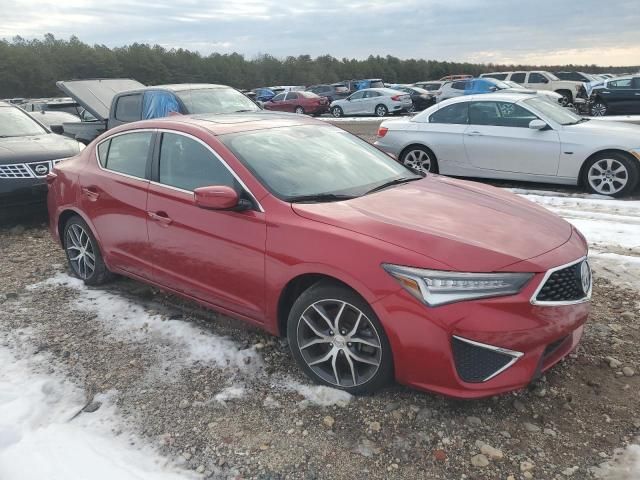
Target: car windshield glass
pixel 500 85
pixel 552 76
pixel 216 100
pixel 16 123
pixel 558 114
pixel 308 160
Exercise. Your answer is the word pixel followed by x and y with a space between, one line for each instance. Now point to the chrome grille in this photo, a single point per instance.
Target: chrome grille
pixel 18 170
pixel 565 285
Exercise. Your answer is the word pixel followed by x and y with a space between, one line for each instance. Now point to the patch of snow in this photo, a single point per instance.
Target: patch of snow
pixel 40 439
pixel 187 343
pixel 318 394
pixel 624 466
pixel 617 268
pixel 230 393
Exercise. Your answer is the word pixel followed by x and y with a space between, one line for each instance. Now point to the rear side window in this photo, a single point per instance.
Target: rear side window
pixel 127 153
pixel 624 83
pixel 456 114
pixel 518 77
pixel 278 98
pixel 187 164
pixel 129 108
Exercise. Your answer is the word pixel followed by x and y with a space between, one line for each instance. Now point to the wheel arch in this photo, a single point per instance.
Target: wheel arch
pixel 583 167
pixel 296 286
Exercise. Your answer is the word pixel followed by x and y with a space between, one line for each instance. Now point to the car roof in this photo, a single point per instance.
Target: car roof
pixel 227 123
pixel 5 104
pixel 497 96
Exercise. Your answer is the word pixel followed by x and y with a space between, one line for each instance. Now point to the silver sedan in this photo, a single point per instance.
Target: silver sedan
pixel 372 101
pixel 517 137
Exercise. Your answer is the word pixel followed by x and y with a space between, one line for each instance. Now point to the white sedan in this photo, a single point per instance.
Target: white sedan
pixel 517 137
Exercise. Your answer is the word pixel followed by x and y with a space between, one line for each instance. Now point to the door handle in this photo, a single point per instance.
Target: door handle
pixel 475 133
pixel 160 217
pixel 91 193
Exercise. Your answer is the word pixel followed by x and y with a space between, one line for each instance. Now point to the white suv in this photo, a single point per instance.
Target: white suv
pixel 572 91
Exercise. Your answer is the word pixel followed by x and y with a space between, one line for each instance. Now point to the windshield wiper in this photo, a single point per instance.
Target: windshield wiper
pixel 320 197
pixel 245 110
pixel 390 183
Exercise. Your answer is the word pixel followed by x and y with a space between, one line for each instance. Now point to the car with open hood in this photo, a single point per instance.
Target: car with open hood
pixel 371 271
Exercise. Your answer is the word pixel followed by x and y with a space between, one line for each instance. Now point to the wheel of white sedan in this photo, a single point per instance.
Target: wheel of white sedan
pixel 611 174
pixel 381 111
pixel 337 339
pixel 419 159
pixel 337 112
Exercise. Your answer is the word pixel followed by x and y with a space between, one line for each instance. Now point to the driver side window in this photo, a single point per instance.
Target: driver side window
pixel 187 164
pixel 499 114
pixel 278 98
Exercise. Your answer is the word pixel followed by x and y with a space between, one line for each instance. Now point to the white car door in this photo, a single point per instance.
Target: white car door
pixel 443 133
pixel 371 99
pixel 498 138
pixel 353 104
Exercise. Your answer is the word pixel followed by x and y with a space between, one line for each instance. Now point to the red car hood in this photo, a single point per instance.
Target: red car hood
pixel 468 226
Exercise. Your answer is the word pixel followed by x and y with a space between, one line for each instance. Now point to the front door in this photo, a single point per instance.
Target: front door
pixel 115 199
pixel 498 138
pixel 354 104
pixel 216 256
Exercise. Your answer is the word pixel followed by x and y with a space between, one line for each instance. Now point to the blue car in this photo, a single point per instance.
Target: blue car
pixel 472 86
pixel 264 94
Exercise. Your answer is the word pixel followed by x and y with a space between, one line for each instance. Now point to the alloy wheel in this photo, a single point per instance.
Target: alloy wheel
pixel 299 110
pixel 608 176
pixel 381 111
pixel 336 112
pixel 418 160
pixel 80 251
pixel 339 343
pixel 599 109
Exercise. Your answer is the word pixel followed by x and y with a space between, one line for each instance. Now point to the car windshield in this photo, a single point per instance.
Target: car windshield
pixel 216 100
pixel 16 123
pixel 552 76
pixel 555 112
pixel 499 84
pixel 308 160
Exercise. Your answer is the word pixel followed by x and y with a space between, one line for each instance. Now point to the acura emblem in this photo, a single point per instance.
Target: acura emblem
pixel 585 277
pixel 41 169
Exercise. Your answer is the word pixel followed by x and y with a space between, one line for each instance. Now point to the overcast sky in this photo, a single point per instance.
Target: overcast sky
pixel 502 31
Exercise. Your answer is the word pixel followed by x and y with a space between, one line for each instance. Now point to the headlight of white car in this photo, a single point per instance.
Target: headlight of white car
pixel 81 146
pixel 435 288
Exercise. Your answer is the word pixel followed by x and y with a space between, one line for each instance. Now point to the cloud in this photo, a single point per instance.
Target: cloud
pixel 546 31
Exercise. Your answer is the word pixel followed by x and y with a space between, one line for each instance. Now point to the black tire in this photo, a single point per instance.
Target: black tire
pixel 100 274
pixel 381 111
pixel 599 108
pixel 618 160
pixel 368 382
pixel 299 110
pixel 337 112
pixel 410 163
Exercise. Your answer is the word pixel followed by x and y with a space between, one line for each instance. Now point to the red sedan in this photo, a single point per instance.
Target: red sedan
pixel 298 102
pixel 373 272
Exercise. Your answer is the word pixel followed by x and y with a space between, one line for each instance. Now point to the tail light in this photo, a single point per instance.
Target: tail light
pixel 397 98
pixel 382 131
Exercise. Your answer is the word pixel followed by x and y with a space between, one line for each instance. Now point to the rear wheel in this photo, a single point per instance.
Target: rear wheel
pixel 420 159
pixel 567 97
pixel 299 110
pixel 337 112
pixel 381 111
pixel 612 174
pixel 83 253
pixel 337 339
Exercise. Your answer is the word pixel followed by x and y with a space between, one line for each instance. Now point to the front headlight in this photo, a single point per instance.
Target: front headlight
pixel 81 146
pixel 436 288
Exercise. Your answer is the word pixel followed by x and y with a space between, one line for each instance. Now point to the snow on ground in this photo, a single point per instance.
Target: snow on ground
pixel 317 394
pixel 624 466
pixel 41 439
pixel 187 343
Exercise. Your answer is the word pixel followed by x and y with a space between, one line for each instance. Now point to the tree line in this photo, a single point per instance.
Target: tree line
pixel 30 68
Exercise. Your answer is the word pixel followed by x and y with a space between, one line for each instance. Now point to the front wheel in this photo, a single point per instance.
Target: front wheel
pixel 337 112
pixel 299 110
pixel 381 111
pixel 599 109
pixel 611 174
pixel 337 340
pixel 83 253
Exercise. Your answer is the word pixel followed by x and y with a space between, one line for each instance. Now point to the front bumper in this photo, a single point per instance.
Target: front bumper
pixel 20 192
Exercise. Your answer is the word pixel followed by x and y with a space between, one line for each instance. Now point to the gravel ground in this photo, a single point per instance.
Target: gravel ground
pixel 571 421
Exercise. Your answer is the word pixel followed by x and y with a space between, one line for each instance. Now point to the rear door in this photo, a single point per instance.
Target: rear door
pixel 498 138
pixel 212 255
pixel 114 196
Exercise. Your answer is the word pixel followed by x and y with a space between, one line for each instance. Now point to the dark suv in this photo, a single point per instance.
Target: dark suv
pixel 330 92
pixel 617 95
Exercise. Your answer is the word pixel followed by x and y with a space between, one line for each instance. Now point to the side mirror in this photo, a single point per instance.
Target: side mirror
pixel 57 129
pixel 537 124
pixel 219 197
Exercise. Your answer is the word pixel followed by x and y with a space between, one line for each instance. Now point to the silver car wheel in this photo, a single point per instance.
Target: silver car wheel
pixel 339 343
pixel 80 252
pixel 418 160
pixel 608 176
pixel 381 111
pixel 599 109
pixel 336 112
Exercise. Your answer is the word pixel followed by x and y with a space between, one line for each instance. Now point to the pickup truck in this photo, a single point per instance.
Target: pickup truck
pixel 115 101
pixel 572 92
